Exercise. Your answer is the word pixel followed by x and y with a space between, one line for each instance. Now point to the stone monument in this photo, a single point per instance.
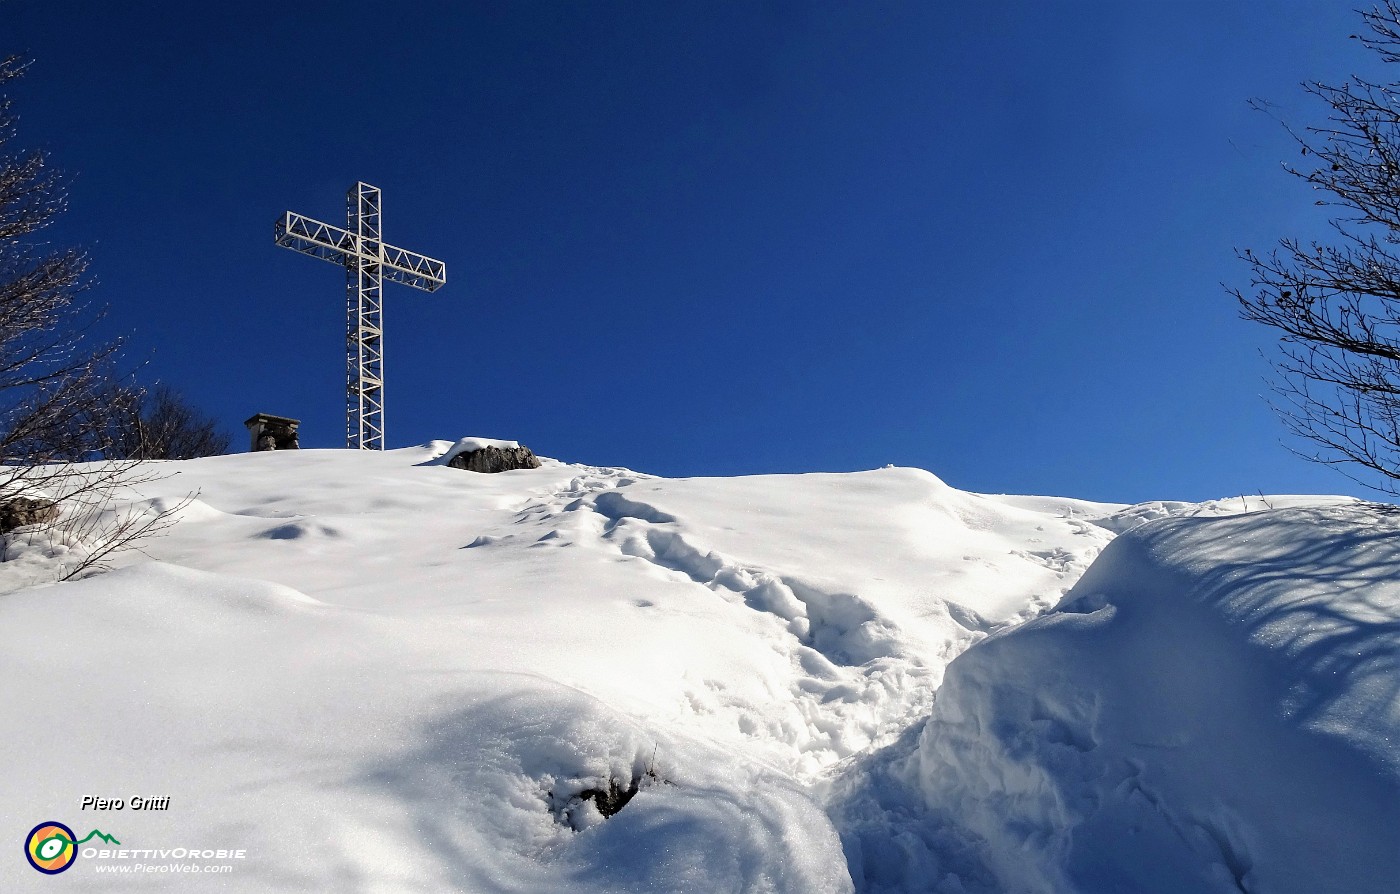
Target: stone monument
pixel 270 432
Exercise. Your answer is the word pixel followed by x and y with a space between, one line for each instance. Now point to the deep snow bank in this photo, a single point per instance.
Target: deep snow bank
pixel 1214 707
pixel 376 674
pixel 342 752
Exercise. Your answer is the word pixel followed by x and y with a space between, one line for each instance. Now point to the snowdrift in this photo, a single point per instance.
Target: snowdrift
pixel 1214 708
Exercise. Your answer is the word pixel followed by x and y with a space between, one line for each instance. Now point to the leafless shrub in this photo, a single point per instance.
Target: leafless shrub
pixel 99 513
pixel 59 400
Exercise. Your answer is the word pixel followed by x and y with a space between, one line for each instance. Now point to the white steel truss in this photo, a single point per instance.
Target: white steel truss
pixel 368 262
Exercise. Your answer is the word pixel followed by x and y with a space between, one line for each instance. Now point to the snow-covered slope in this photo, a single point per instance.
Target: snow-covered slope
pixel 1214 708
pixel 373 672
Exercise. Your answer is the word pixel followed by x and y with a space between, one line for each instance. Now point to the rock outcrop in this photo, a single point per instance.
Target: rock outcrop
pixel 17 512
pixel 495 459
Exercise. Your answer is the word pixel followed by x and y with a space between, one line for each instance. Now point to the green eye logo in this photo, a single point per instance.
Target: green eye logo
pixel 49 848
pixel 52 847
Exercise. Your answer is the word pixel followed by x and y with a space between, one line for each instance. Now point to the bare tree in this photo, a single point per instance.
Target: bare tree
pixel 1336 306
pixel 57 391
pixel 49 376
pixel 162 424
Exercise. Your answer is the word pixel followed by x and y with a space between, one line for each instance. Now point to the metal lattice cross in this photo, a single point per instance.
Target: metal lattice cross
pixel 368 262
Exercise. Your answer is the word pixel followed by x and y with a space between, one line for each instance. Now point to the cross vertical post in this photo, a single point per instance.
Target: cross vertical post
pixel 368 263
pixel 364 412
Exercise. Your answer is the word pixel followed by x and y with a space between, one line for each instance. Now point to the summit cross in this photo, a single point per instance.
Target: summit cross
pixel 368 262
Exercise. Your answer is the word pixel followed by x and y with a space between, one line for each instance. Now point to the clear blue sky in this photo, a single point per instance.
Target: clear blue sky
pixel 713 238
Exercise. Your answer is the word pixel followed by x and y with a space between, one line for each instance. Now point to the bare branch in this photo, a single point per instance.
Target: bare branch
pixel 1336 307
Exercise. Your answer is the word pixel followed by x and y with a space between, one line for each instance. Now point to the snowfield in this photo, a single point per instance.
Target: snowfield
pixel 371 672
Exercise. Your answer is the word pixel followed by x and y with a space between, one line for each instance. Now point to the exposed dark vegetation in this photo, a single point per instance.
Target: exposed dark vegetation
pixel 566 804
pixel 160 424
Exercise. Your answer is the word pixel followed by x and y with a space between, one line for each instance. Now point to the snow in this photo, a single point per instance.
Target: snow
pixel 374 672
pixel 464 445
pixel 1213 708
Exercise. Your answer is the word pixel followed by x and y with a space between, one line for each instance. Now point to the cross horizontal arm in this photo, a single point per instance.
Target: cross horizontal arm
pixel 339 246
pixel 311 237
pixel 412 269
